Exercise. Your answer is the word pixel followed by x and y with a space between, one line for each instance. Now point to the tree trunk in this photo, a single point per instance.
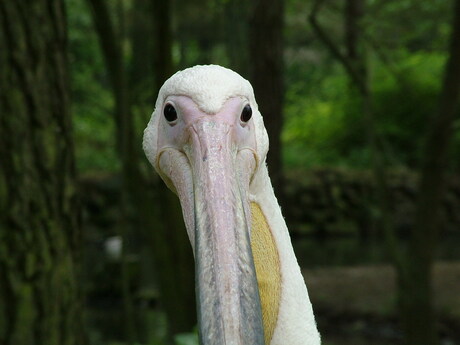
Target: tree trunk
pixel 112 52
pixel 355 52
pixel 39 231
pixel 235 24
pixel 170 247
pixel 163 41
pixel 356 57
pixel 417 307
pixel 266 55
pixel 113 57
pixel 143 53
pixel 175 260
pixel 415 302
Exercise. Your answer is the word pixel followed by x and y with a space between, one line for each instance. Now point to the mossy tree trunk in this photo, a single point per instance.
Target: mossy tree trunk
pixel 39 237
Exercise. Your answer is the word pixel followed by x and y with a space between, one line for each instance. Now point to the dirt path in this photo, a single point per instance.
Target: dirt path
pixel 364 296
pixel 371 289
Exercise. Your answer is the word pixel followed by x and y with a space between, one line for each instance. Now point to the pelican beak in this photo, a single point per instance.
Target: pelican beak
pixel 227 291
pixel 229 309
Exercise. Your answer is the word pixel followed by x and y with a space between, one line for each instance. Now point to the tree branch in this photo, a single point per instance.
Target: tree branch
pixel 334 50
pixel 113 57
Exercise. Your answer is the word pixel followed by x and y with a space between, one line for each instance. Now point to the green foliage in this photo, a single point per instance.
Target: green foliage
pixel 325 123
pixel 92 100
pixel 408 24
pixel 405 105
pixel 312 118
pixel 187 339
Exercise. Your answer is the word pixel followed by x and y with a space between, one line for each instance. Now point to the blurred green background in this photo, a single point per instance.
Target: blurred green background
pixel 359 85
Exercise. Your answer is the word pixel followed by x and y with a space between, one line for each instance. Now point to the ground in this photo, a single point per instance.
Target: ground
pixel 359 303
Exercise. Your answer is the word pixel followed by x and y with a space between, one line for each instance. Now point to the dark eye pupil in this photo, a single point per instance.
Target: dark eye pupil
pixel 246 114
pixel 170 113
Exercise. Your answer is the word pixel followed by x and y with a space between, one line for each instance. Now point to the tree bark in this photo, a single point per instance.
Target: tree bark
pixel 266 55
pixel 415 277
pixel 39 222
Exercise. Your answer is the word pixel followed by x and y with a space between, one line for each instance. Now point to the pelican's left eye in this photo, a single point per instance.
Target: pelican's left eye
pixel 246 114
pixel 170 113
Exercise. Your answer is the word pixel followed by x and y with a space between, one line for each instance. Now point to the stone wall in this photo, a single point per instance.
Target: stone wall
pixel 340 202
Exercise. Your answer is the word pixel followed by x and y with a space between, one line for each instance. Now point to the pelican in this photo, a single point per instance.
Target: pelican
pixel 206 139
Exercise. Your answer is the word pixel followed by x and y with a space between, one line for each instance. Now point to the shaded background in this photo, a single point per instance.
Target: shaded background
pixel 360 98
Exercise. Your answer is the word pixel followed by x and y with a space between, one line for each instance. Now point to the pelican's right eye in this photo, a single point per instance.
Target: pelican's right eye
pixel 170 113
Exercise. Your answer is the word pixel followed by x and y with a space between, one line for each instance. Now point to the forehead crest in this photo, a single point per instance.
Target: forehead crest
pixel 208 86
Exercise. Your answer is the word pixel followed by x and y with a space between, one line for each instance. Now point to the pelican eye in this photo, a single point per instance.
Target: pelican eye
pixel 170 113
pixel 246 114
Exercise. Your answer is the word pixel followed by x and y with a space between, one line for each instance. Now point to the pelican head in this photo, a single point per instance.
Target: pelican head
pixel 207 141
